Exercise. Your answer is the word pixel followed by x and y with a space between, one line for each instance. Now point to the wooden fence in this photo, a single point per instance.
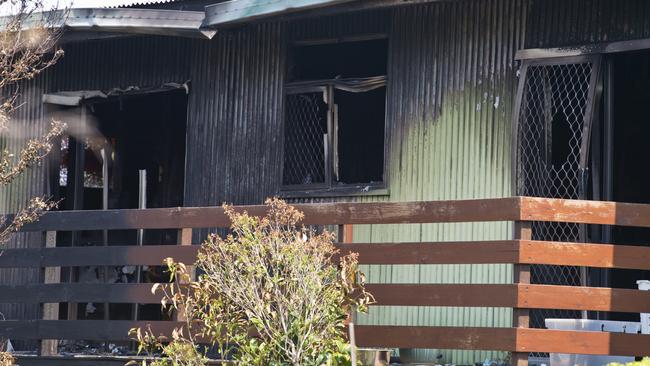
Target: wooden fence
pixel 519 295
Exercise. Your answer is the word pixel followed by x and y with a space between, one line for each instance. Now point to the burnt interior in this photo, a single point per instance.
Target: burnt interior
pixel 339 60
pixel 360 114
pixel 144 131
pixel 361 135
pixel 631 126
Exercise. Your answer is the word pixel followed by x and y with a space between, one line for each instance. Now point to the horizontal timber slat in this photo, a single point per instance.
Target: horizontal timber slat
pixel 81 292
pixel 476 252
pixel 494 209
pixel 473 295
pixel 93 330
pixel 487 295
pixel 582 298
pixel 504 339
pixel 524 296
pixel 587 255
pixel 588 343
pixel 584 212
pixel 150 255
pixel 496 339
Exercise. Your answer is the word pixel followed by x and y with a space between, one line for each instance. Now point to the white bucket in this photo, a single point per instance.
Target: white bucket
pixel 644 285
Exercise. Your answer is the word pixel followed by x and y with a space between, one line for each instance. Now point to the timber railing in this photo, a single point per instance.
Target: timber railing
pixel 519 251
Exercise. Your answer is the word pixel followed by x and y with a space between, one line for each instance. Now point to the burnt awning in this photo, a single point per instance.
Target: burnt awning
pixel 76 97
pixel 237 11
pixel 120 21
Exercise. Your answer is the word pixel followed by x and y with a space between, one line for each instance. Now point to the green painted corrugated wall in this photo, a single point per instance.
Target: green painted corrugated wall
pixel 452 78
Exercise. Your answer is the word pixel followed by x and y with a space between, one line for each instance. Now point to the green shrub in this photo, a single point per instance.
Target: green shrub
pixel 6 359
pixel 269 294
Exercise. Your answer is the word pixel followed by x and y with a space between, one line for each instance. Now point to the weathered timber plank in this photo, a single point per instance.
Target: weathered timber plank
pixel 585 212
pixel 151 255
pixel 50 310
pixel 523 296
pixel 583 298
pixel 576 342
pixel 587 255
pixel 483 295
pixel 95 330
pixel 477 252
pixel 521 275
pixel 504 251
pixel 505 339
pixel 495 209
pixel 498 339
pixel 80 292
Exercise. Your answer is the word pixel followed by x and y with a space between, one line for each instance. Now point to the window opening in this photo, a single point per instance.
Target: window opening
pixel 335 113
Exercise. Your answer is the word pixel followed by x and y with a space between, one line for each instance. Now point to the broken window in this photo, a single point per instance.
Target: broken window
pixel 334 131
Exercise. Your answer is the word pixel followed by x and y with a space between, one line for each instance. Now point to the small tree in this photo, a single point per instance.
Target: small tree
pixel 27 48
pixel 270 293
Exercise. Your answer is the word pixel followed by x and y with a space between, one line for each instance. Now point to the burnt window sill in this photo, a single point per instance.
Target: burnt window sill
pixel 341 191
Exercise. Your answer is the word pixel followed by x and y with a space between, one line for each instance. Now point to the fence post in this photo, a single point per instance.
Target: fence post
pixel 185 238
pixel 521 274
pixel 344 235
pixel 49 347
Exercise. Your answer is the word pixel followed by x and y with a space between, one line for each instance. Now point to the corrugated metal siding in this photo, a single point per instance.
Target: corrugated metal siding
pixel 234 103
pixel 26 124
pixel 234 133
pixel 451 88
pixel 557 23
pixel 451 84
pixel 451 80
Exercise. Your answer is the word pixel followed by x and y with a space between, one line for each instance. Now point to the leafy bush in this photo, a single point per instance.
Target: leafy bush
pixel 644 362
pixel 6 359
pixel 269 294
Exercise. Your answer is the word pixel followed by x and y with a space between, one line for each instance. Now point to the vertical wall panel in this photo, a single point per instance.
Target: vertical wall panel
pixel 558 23
pixel 451 84
pixel 451 87
pixel 26 123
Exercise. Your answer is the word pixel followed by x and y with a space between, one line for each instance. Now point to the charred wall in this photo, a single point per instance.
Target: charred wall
pixel 559 23
pixel 451 81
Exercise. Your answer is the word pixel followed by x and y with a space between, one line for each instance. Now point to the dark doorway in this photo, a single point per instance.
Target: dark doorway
pixel 631 130
pixel 101 165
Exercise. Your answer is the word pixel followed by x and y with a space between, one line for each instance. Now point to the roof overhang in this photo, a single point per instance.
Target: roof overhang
pixel 120 21
pixel 241 11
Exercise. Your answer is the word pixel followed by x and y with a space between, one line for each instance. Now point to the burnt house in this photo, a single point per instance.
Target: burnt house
pixel 197 102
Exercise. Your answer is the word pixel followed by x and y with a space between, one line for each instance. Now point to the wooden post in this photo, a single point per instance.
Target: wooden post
pixel 521 274
pixel 185 238
pixel 345 236
pixel 49 347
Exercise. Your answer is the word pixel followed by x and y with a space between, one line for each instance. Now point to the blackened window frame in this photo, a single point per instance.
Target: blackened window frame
pixel 332 187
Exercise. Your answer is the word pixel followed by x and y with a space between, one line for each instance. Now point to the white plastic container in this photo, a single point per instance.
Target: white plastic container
pixel 644 285
pixel 561 359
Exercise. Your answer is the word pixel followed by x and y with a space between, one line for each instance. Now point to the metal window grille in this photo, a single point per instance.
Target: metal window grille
pixel 305 138
pixel 553 124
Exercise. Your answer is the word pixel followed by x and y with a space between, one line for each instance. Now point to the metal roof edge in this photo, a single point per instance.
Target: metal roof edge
pixel 236 11
pixel 126 21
